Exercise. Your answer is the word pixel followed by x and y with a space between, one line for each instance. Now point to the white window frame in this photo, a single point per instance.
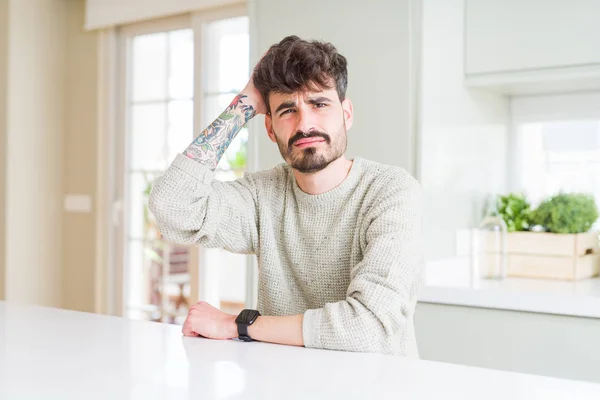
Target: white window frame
pixel 111 150
pixel 106 294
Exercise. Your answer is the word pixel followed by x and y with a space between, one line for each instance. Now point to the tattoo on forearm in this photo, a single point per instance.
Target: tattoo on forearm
pixel 209 147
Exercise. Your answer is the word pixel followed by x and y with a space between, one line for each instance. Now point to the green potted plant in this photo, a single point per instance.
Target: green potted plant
pixel 554 240
pixel 515 210
pixel 566 213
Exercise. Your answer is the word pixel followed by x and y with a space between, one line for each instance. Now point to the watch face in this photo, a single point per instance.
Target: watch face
pixel 247 317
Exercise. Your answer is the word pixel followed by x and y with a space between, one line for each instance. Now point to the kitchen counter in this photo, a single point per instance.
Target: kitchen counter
pixel 450 282
pixel 57 354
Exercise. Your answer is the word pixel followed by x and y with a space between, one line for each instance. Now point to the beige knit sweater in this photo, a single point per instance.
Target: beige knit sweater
pixel 349 259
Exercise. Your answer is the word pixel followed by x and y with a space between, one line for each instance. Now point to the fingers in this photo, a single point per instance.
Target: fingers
pixel 194 311
pixel 187 329
pixel 187 325
pixel 188 332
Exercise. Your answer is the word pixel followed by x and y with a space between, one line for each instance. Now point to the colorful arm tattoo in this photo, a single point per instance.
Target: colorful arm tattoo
pixel 209 147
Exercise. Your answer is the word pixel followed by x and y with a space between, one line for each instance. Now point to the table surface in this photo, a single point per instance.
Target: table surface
pixel 58 354
pixel 451 282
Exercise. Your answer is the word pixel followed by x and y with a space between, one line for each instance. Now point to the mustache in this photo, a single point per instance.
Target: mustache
pixel 301 135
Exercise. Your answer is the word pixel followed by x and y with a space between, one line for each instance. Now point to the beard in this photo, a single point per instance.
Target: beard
pixel 312 159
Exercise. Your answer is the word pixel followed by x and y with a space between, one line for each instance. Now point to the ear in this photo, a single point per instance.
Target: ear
pixel 348 110
pixel 269 127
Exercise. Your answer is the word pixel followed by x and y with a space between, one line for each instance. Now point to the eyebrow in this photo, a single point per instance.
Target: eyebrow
pixel 312 100
pixel 285 104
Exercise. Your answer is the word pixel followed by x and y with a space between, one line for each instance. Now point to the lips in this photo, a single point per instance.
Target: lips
pixel 307 141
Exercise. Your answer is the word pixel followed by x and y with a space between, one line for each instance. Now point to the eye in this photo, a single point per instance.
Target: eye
pixel 320 105
pixel 289 110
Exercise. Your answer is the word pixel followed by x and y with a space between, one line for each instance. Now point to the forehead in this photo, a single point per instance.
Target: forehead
pixel 276 98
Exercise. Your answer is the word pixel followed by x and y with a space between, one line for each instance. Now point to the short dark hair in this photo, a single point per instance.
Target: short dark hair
pixel 295 65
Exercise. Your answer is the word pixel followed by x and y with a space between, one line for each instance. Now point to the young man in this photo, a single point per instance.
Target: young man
pixel 338 241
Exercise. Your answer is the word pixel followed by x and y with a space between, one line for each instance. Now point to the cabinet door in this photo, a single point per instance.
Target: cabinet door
pixel 520 35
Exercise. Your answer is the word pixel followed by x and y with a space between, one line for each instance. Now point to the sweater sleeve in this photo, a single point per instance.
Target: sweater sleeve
pixel 190 207
pixel 383 290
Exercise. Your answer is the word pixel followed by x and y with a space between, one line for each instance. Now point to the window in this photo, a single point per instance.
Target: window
pixel 556 145
pixel 227 42
pixel 159 112
pixel 560 156
pixel 163 84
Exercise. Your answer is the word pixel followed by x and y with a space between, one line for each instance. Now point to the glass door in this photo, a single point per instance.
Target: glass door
pixel 159 125
pixel 225 50
pixel 177 75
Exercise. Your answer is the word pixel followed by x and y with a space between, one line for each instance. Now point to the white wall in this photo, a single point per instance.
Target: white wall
pixel 375 38
pixel 34 185
pixel 463 133
pixel 542 344
pixel 3 126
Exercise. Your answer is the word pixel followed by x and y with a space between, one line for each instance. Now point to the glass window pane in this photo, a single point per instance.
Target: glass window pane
pixel 235 156
pixel 141 223
pixel 136 205
pixel 232 281
pixel 227 274
pixel 149 67
pixel 234 67
pixel 558 156
pixel 571 136
pixel 148 145
pixel 228 42
pixel 181 64
pixel 214 105
pixel 181 126
pixel 160 124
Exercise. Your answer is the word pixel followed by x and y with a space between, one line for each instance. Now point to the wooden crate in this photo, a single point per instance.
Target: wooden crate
pixel 553 256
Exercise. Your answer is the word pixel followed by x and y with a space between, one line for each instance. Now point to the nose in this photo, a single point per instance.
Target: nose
pixel 306 121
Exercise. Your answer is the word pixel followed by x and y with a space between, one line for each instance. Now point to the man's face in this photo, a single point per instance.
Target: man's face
pixel 309 127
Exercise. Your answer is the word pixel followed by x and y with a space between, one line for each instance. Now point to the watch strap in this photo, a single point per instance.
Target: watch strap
pixel 243 321
pixel 243 333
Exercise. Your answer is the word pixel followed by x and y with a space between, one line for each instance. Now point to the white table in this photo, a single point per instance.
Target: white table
pixel 57 354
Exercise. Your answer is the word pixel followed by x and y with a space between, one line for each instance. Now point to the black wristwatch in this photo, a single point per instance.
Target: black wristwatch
pixel 243 321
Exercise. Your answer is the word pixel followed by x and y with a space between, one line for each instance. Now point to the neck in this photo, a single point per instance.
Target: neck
pixel 326 179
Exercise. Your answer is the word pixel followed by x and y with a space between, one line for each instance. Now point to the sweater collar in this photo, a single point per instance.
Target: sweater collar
pixel 332 194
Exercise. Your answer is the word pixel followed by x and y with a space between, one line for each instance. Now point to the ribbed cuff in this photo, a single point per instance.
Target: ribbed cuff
pixel 311 328
pixel 199 171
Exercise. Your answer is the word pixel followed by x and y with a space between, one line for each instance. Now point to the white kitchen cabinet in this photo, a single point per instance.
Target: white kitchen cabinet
pixel 534 343
pixel 533 46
